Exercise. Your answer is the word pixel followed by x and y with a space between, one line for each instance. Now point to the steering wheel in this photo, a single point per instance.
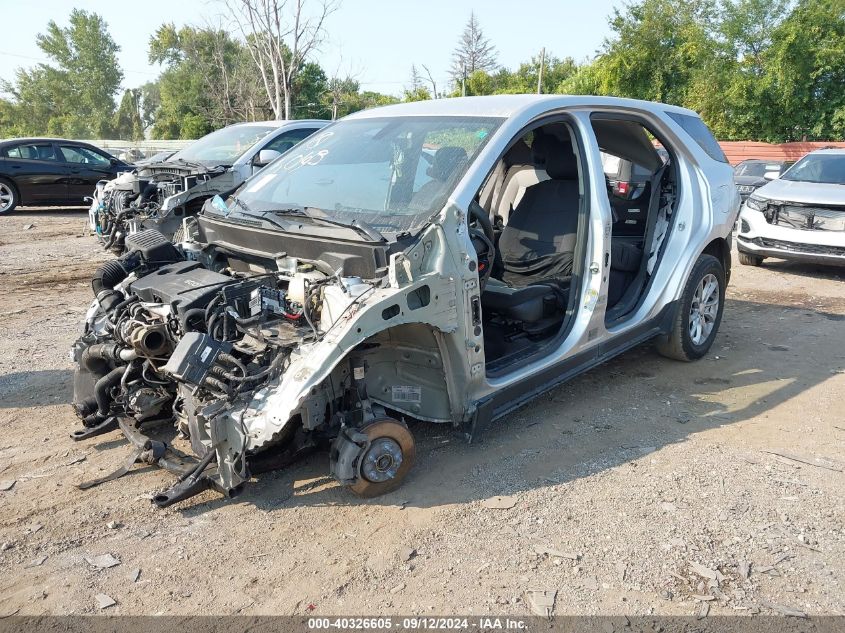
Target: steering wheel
pixel 483 239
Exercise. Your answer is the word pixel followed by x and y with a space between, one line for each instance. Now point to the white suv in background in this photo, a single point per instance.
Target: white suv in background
pixel 799 216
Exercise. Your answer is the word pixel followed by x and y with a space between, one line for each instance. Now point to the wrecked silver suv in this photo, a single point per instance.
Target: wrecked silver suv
pixel 442 261
pixel 161 194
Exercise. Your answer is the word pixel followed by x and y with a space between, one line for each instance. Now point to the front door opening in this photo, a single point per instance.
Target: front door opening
pixel 534 199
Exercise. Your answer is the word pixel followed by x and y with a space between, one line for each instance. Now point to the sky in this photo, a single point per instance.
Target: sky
pixel 374 41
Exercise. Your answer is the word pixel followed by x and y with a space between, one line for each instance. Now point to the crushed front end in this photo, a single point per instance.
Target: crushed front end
pixel 252 357
pixel 813 233
pixel 156 196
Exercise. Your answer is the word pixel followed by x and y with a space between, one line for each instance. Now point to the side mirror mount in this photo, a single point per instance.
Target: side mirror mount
pixel 264 157
pixel 771 175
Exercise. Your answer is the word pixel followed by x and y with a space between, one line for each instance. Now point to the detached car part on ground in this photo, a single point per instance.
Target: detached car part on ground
pixel 453 260
pixel 799 216
pixel 160 194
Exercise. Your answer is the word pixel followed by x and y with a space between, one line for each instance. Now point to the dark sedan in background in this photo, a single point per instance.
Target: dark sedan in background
pixel 47 171
pixel 750 174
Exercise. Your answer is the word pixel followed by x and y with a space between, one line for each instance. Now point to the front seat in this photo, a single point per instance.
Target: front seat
pixel 446 161
pixel 539 239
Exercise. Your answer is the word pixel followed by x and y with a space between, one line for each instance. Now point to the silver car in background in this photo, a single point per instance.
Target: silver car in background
pixel 160 194
pixel 799 216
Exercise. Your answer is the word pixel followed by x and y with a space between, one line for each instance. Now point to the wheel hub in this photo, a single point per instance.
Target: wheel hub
pixel 382 460
pixel 6 197
pixel 704 309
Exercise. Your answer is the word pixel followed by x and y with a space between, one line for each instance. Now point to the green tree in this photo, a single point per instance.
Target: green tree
pixel 473 53
pixel 127 120
pixel 150 103
pixel 658 48
pixel 524 78
pixel 416 91
pixel 74 94
pixel 770 70
pixel 804 81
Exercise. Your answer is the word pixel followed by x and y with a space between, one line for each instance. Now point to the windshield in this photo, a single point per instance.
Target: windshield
pixel 392 173
pixel 819 168
pixel 756 169
pixel 225 146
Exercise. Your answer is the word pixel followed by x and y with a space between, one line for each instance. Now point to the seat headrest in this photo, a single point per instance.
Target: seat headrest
pixel 446 161
pixel 540 148
pixel 557 157
pixel 519 154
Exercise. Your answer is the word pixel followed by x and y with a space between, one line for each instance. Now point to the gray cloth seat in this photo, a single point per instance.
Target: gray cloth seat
pixel 625 260
pixel 528 304
pixel 539 239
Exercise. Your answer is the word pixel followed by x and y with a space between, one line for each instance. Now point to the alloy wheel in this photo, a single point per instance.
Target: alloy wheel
pixel 7 197
pixel 704 309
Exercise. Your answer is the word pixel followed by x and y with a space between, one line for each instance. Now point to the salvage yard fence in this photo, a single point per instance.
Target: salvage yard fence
pixel 137 150
pixel 736 151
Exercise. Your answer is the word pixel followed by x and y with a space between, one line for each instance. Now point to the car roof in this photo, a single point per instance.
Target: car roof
pixel 280 123
pixel 504 106
pixel 830 150
pixel 771 161
pixel 39 139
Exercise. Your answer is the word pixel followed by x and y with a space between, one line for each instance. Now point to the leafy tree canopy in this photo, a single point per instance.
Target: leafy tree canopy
pixel 73 95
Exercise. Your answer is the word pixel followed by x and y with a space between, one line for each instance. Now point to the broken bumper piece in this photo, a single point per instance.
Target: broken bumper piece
pixel 194 475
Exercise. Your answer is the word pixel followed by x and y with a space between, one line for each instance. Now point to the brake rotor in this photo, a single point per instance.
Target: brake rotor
pixel 389 456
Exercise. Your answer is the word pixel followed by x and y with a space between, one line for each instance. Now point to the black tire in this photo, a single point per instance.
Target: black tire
pixel 679 343
pixel 9 197
pixel 747 259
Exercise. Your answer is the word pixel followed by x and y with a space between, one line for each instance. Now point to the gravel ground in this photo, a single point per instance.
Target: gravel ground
pixel 646 486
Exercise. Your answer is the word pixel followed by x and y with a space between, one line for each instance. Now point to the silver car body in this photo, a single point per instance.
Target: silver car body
pixel 429 361
pixel 796 220
pixel 241 169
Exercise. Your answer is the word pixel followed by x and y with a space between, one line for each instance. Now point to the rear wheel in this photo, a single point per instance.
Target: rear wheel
pixel 699 312
pixel 386 461
pixel 748 259
pixel 8 196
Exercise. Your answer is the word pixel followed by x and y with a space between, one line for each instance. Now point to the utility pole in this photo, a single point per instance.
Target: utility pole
pixel 540 74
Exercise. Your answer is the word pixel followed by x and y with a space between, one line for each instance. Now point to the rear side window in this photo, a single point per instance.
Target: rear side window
pixel 31 151
pixel 700 133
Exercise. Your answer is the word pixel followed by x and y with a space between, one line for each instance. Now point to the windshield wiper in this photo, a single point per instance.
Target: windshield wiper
pixel 249 213
pixel 359 225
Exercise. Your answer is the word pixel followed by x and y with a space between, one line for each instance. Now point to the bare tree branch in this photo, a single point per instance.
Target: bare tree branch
pixel 280 35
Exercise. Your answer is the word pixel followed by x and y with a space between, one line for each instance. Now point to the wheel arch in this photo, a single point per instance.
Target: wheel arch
pixel 408 370
pixel 720 248
pixel 14 185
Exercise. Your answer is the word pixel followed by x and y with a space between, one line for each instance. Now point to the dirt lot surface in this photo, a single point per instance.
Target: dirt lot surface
pixel 646 486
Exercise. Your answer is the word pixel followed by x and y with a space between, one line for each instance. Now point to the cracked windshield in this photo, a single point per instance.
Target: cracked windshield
pixel 392 174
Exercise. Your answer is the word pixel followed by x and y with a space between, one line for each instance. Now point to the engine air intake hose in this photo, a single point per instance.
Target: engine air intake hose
pixel 108 276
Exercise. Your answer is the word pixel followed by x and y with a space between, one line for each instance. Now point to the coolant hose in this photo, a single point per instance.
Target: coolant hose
pixel 149 190
pixel 103 387
pixel 96 356
pixel 186 316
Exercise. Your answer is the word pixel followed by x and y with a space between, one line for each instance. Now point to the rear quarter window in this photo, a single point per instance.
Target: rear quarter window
pixel 700 133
